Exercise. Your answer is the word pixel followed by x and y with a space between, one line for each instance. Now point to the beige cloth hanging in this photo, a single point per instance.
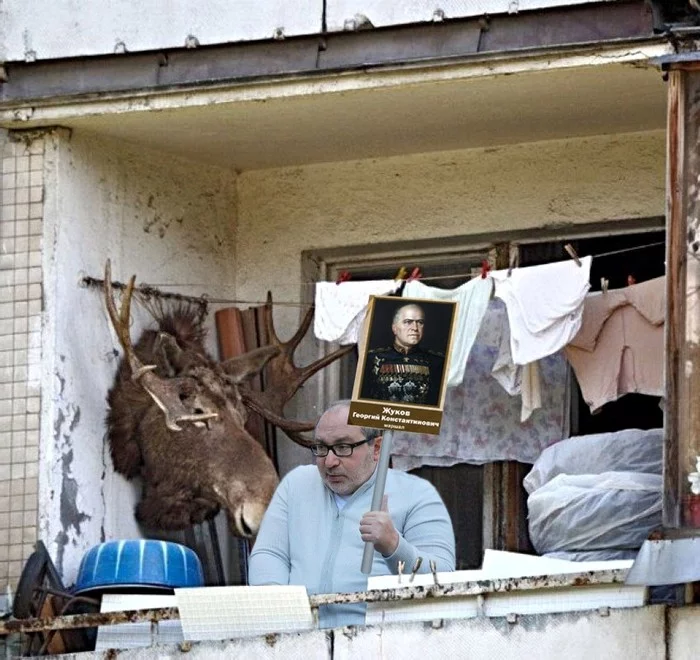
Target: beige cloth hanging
pixel 620 346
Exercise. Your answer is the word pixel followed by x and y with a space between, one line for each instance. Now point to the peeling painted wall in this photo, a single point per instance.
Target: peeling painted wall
pixel 161 218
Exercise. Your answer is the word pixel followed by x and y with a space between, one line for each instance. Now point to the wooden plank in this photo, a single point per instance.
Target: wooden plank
pixel 234 328
pixel 269 431
pixel 675 293
pixel 229 332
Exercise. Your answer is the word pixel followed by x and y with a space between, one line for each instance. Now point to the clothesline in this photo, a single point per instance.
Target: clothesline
pixel 205 299
pixel 629 249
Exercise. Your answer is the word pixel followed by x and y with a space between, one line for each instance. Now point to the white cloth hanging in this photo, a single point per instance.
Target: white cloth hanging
pixel 472 299
pixel 517 379
pixel 341 308
pixel 545 306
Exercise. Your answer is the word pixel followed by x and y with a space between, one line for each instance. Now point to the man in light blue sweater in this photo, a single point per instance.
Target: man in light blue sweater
pixel 314 530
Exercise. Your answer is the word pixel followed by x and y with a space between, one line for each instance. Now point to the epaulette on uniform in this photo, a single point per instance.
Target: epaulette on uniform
pixel 384 349
pixel 430 351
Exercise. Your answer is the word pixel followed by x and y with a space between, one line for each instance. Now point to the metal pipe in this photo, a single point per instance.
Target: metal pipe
pixel 377 495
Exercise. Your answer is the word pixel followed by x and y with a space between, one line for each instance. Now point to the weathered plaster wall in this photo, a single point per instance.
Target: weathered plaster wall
pixel 621 634
pixel 166 220
pixel 614 635
pixel 684 624
pixel 285 211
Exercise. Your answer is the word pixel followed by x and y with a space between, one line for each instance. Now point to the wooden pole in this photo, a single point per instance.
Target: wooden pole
pixel 675 293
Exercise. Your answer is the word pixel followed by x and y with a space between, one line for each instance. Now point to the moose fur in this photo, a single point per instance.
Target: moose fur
pixel 190 474
pixel 177 417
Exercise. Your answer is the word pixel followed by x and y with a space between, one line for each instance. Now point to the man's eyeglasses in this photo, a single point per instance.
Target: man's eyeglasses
pixel 342 449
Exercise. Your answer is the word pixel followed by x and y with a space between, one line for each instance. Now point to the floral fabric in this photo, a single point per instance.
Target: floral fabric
pixel 481 421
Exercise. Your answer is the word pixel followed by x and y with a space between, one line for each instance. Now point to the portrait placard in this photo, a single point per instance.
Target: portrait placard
pixel 403 364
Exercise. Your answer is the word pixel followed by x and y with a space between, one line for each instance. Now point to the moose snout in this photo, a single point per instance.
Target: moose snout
pixel 247 517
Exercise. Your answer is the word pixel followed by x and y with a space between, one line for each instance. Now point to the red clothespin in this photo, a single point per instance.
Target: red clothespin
pixel 485 268
pixel 415 274
pixel 343 277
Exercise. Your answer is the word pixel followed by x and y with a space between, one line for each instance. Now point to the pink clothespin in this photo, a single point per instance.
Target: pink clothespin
pixel 343 277
pixel 415 274
pixel 485 268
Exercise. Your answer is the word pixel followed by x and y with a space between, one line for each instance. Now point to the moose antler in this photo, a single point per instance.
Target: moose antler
pixel 283 378
pixel 161 391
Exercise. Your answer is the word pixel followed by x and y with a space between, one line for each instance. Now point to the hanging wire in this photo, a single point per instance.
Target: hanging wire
pixel 149 291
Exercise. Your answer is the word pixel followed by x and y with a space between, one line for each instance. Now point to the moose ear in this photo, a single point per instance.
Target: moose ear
pixel 170 353
pixel 250 363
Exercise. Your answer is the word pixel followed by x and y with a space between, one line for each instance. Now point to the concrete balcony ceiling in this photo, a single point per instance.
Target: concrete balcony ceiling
pixel 389 121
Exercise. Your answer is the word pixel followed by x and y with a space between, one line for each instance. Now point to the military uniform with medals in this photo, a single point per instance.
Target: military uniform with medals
pixel 399 375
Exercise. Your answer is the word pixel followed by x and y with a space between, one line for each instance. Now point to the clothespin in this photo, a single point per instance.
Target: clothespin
pixel 415 274
pixel 604 284
pixel 433 570
pixel 416 566
pixel 343 277
pixel 572 253
pixel 401 275
pixel 402 565
pixel 485 268
pixel 514 261
pixel 631 279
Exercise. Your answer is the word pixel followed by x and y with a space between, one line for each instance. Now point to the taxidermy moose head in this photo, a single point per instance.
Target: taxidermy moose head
pixel 177 418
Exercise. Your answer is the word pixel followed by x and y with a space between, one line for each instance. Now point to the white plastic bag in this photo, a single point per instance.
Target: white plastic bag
pixel 631 450
pixel 609 511
pixel 593 555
